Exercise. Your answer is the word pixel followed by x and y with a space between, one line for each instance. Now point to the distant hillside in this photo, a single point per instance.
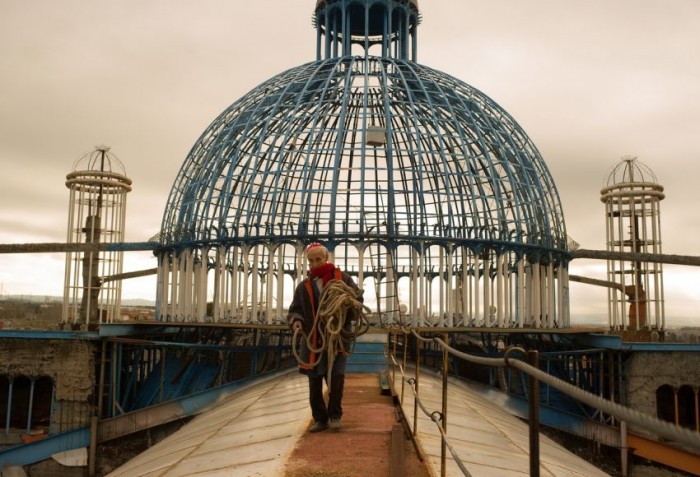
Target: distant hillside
pixel 59 299
pixel 138 302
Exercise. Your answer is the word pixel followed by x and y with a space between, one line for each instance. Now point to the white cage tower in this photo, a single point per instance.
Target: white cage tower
pixel 97 209
pixel 632 197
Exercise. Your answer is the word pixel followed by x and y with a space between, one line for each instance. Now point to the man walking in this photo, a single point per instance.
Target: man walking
pixel 302 317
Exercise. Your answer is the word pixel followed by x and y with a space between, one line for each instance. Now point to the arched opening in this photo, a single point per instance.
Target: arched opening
pixel 665 407
pixel 686 407
pixel 41 403
pixel 19 409
pixel 4 396
pixel 370 296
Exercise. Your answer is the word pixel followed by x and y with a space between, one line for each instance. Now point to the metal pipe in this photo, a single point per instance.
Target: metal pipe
pixel 90 247
pixel 691 260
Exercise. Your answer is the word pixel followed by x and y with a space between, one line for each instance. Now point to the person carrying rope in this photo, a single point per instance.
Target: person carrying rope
pixel 327 311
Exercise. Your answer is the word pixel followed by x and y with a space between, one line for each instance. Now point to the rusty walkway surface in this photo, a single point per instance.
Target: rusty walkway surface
pixel 363 446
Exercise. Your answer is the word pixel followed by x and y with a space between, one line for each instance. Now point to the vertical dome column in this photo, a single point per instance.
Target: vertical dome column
pixel 632 213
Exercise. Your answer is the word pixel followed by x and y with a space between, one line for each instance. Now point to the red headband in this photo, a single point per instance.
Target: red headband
pixel 313 245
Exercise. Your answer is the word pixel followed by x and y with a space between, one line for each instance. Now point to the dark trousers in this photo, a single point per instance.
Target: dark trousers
pixel 319 411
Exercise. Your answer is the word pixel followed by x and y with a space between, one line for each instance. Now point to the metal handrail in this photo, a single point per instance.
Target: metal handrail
pixel 626 415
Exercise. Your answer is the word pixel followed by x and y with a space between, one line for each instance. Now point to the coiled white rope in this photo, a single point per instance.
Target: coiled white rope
pixel 338 300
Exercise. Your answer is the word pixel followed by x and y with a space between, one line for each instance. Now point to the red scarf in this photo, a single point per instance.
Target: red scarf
pixel 324 271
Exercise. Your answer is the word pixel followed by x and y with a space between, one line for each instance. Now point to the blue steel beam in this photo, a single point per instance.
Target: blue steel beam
pixel 48 335
pixel 614 342
pixel 37 451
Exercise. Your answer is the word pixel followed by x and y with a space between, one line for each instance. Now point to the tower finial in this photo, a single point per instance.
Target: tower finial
pixel 387 24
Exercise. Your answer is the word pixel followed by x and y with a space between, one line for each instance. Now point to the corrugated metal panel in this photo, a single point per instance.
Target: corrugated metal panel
pixel 250 433
pixel 253 433
pixel 489 441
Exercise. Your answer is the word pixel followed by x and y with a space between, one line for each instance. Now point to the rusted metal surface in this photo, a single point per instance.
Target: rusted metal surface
pixel 362 448
pixel 397 466
pixel 664 454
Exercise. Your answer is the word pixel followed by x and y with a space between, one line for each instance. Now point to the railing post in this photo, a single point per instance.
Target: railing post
pixel 394 340
pixel 94 420
pixel 405 357
pixel 161 388
pixel 415 401
pixel 623 449
pixel 445 371
pixel 533 401
pixel 92 450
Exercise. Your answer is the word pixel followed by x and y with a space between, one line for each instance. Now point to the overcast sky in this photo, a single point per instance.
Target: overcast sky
pixel 589 81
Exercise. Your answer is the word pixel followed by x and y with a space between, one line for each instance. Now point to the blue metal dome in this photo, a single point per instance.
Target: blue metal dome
pixel 356 150
pixel 353 148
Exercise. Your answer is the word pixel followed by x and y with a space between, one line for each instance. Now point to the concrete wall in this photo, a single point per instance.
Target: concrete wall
pixel 645 372
pixel 71 366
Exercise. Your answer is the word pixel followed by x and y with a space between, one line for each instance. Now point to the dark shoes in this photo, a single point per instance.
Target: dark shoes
pixel 319 426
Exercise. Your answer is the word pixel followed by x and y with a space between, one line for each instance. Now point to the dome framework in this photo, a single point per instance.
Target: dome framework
pixel 422 187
